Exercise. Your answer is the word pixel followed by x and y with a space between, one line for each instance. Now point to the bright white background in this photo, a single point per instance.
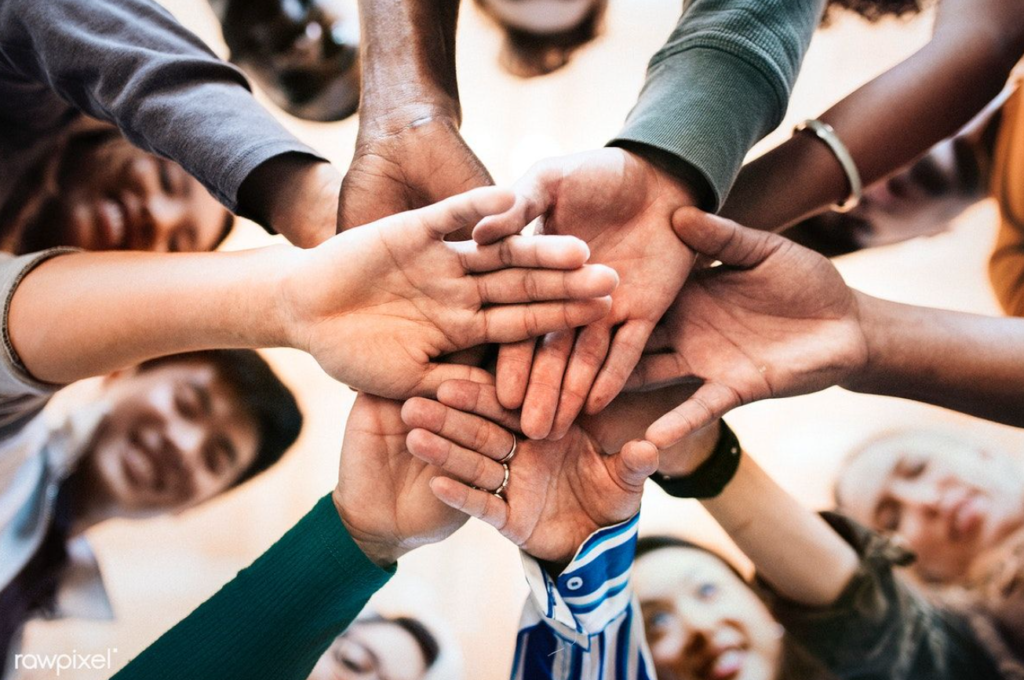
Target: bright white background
pixel 159 570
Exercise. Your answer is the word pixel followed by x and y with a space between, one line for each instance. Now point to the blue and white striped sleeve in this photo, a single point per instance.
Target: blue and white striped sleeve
pixel 586 623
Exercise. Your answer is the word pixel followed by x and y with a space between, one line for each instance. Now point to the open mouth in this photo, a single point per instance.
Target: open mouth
pixel 967 517
pixel 724 664
pixel 111 223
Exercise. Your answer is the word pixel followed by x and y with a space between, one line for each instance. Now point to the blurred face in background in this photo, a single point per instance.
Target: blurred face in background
pixel 303 53
pixel 375 650
pixel 949 499
pixel 702 620
pixel 542 35
pixel 173 436
pixel 105 194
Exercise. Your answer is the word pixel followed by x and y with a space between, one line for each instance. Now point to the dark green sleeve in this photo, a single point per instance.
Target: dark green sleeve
pixel 276 617
pixel 881 627
pixel 721 83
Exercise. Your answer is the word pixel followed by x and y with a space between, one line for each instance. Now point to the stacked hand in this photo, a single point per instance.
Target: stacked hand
pixel 404 165
pixel 774 320
pixel 558 493
pixel 621 205
pixel 377 306
pixel 382 494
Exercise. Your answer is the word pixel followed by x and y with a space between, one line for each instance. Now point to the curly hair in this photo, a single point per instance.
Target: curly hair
pixel 875 10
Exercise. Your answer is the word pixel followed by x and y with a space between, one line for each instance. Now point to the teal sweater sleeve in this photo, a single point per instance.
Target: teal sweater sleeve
pixel 720 83
pixel 276 617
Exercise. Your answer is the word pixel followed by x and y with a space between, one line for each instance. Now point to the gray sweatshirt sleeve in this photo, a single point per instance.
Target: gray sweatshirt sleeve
pixel 720 83
pixel 130 63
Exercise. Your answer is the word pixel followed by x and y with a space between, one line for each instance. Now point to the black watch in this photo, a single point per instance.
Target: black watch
pixel 712 476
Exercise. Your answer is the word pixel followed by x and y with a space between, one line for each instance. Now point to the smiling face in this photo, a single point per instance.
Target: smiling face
pixel 303 53
pixel 378 650
pixel 109 195
pixel 949 499
pixel 702 621
pixel 175 435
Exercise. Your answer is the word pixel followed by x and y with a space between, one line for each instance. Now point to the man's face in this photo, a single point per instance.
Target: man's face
pixel 175 436
pixel 112 196
pixel 303 53
pixel 702 621
pixel 949 499
pixel 372 651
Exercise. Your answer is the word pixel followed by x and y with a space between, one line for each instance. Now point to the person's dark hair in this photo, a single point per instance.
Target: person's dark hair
pixel 426 641
pixel 261 394
pixel 649 544
pixel 875 10
pixel 527 54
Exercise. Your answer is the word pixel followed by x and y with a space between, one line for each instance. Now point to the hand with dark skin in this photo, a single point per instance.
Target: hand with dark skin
pixel 776 320
pixel 621 205
pixel 558 493
pixel 409 152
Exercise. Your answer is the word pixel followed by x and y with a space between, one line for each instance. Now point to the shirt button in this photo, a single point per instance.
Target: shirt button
pixel 575 583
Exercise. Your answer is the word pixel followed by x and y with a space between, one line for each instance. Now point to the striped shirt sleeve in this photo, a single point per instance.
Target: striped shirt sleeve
pixel 584 623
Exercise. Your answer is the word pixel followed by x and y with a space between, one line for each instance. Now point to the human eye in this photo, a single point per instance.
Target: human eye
pixel 188 401
pixel 707 591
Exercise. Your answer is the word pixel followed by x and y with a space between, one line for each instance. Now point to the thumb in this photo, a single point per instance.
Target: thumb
pixel 434 375
pixel 637 461
pixel 709 403
pixel 724 240
pixel 534 196
pixel 463 211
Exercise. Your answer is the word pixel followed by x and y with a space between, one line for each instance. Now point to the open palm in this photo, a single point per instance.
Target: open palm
pixel 558 492
pixel 774 320
pixel 622 206
pixel 383 493
pixel 376 306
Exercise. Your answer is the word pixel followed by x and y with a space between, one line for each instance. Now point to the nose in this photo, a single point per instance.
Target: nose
pixel 698 625
pixel 163 217
pixel 187 438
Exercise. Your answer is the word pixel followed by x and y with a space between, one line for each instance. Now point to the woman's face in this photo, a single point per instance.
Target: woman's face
pixel 110 195
pixel 378 650
pixel 950 500
pixel 702 621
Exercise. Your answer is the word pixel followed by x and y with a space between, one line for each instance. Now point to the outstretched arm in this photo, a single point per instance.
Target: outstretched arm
pixel 721 82
pixel 891 120
pixel 375 307
pixel 409 152
pixel 277 617
pixel 777 320
pixel 130 63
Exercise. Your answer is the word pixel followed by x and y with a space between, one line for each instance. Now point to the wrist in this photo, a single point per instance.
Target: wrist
pixel 381 552
pixel 689 454
pixel 393 119
pixel 876 328
pixel 295 195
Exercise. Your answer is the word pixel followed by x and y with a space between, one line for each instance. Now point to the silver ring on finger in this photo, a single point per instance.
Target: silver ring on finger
pixel 511 454
pixel 500 491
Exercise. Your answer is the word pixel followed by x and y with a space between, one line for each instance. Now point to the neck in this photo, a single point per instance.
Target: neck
pixel 90 505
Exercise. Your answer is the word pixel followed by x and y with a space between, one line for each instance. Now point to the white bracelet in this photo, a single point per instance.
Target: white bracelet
pixel 825 133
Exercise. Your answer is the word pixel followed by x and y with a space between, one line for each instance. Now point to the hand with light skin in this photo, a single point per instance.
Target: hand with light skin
pixel 383 494
pixel 774 320
pixel 621 205
pixel 375 307
pixel 558 493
